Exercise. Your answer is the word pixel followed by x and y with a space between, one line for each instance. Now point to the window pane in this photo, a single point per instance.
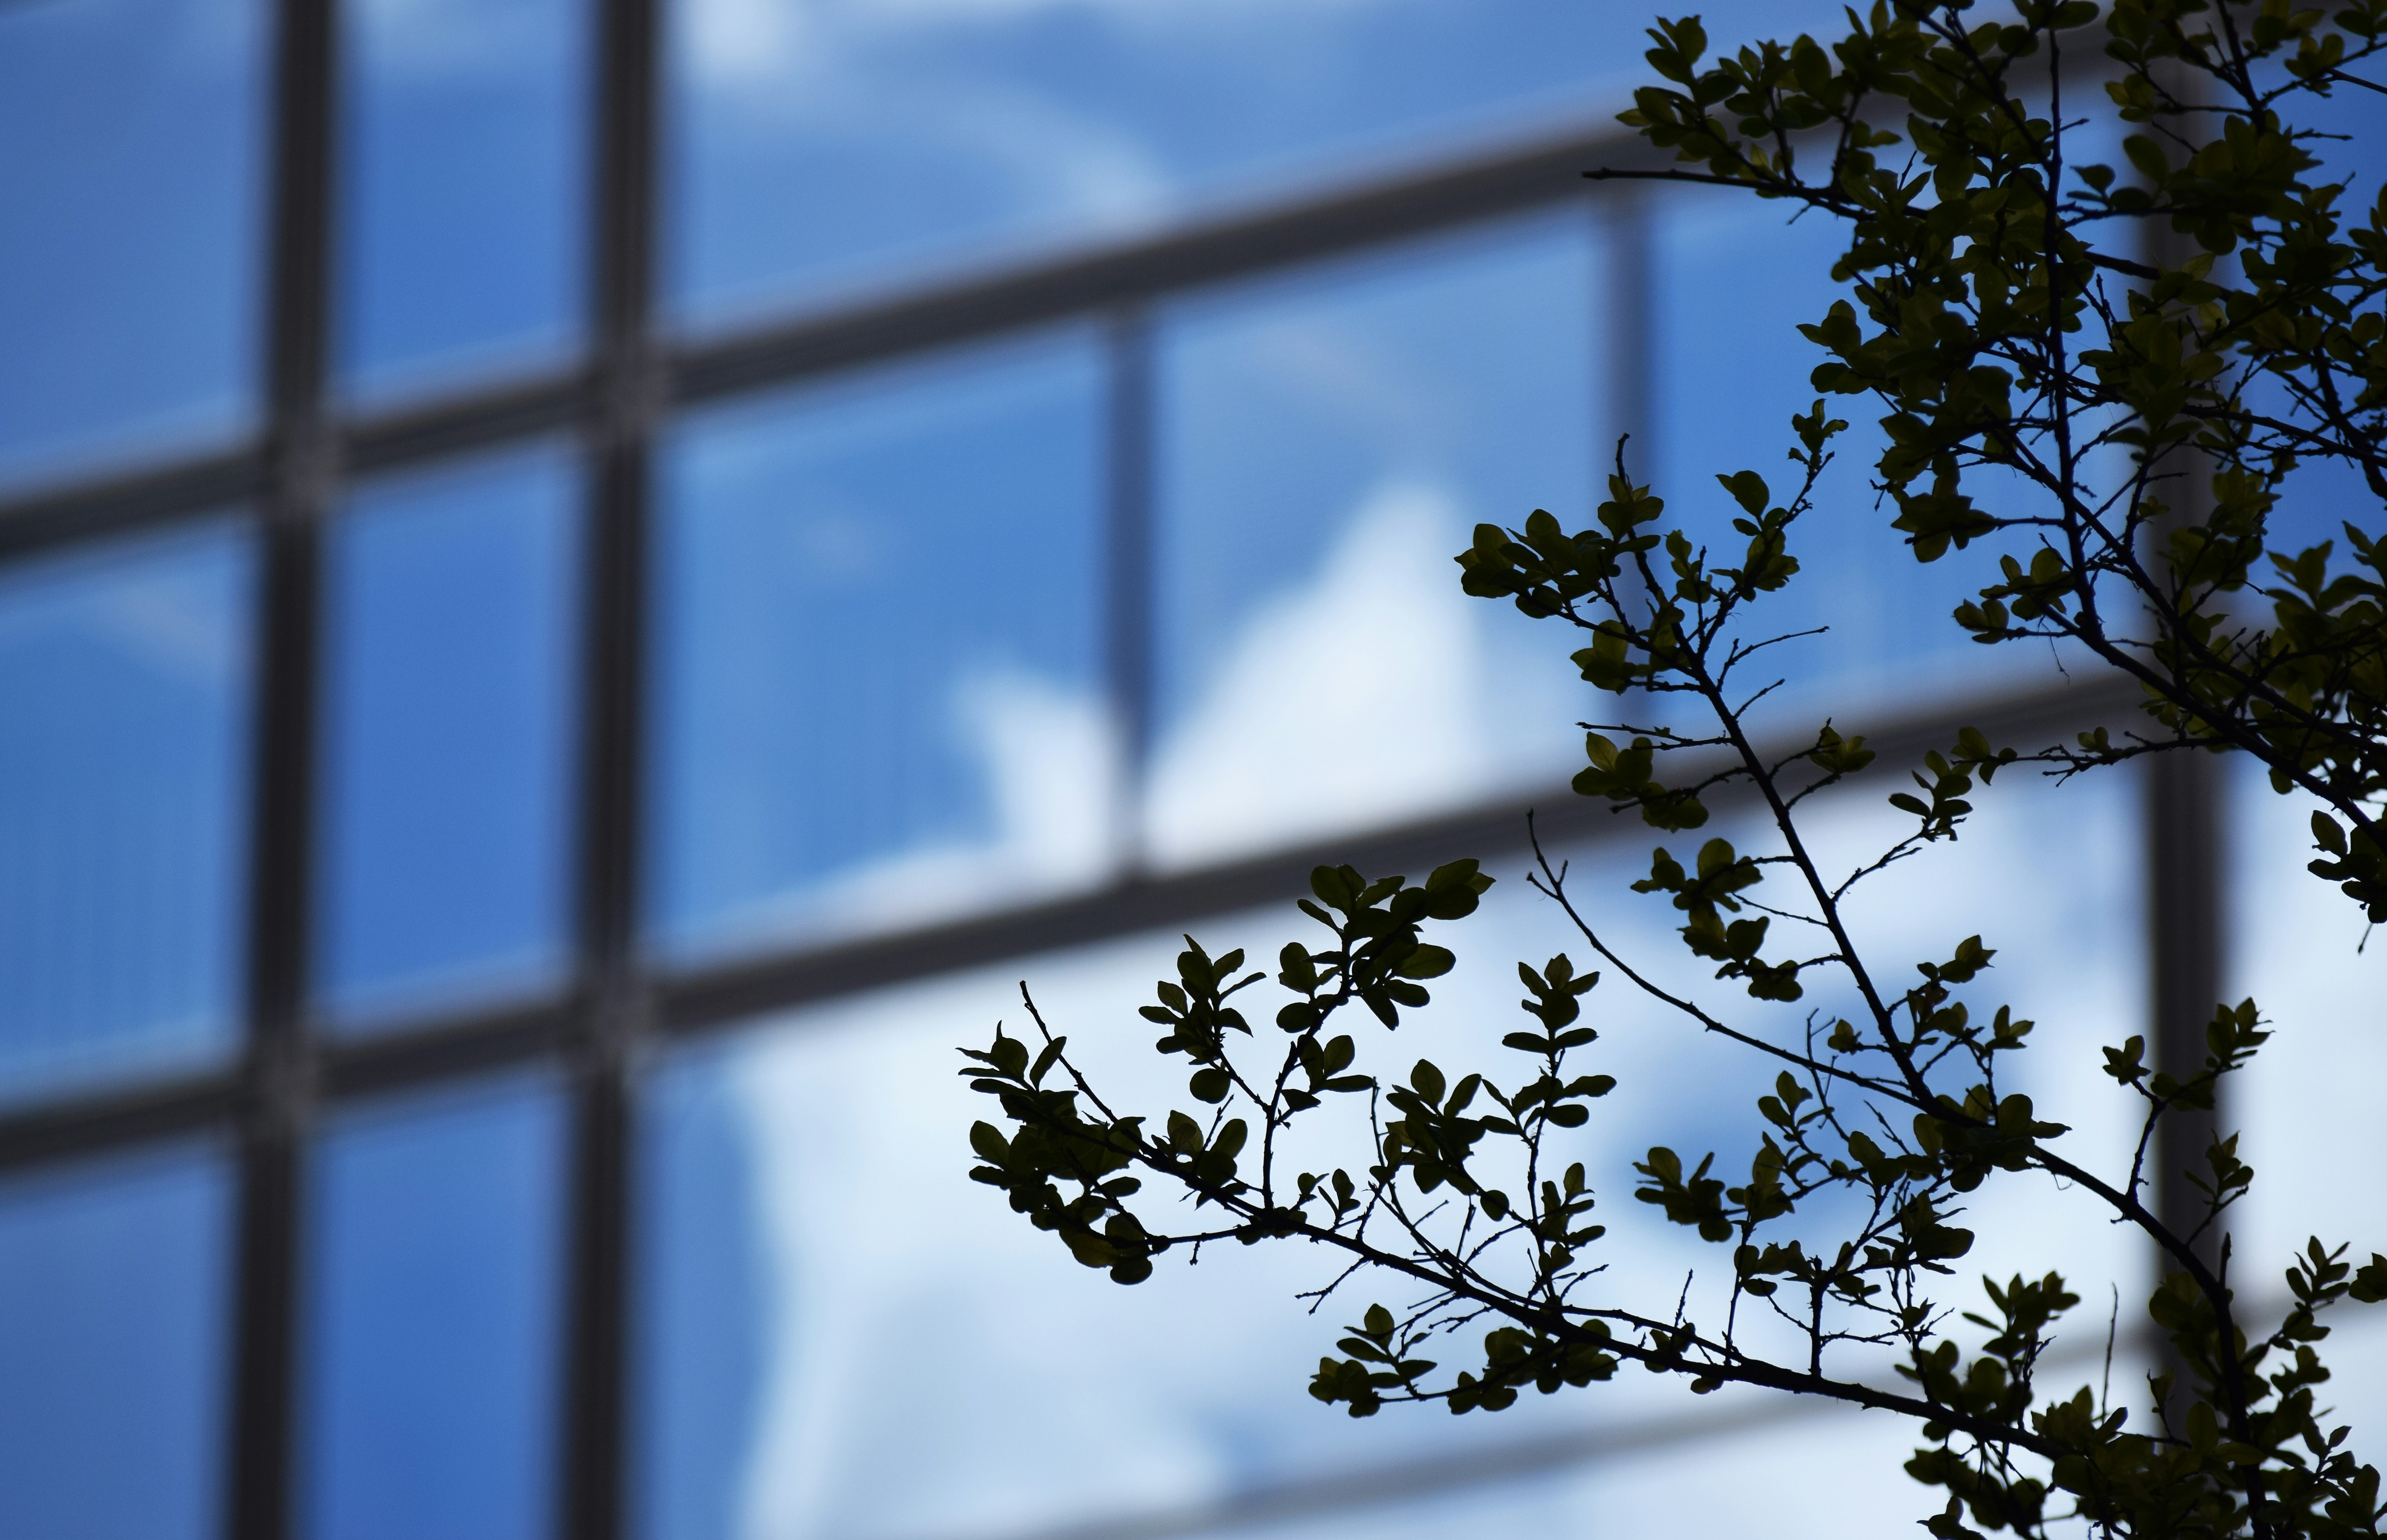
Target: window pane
pixel 1326 447
pixel 842 1336
pixel 431 1327
pixel 701 1369
pixel 462 220
pixel 2308 1106
pixel 833 146
pixel 878 689
pixel 124 703
pixel 449 714
pixel 1735 279
pixel 112 1311
pixel 129 165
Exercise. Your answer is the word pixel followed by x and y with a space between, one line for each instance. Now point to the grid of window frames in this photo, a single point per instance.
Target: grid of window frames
pixel 525 565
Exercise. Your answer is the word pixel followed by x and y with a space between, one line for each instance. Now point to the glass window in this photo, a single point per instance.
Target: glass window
pixel 878 689
pixel 829 147
pixel 842 1335
pixel 124 710
pixel 1735 279
pixel 112 1314
pixel 2322 494
pixel 2308 1106
pixel 431 1325
pixel 130 168
pixel 447 716
pixel 461 226
pixel 700 1370
pixel 1326 446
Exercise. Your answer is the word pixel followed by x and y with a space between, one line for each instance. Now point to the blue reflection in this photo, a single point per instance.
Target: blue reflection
pixel 130 168
pixel 876 689
pixel 703 1292
pixel 431 1327
pixel 2321 495
pixel 1735 281
pixel 462 237
pixel 842 143
pixel 124 706
pixel 112 1311
pixel 449 716
pixel 1326 446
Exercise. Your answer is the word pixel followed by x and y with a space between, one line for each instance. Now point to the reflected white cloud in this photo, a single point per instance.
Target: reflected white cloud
pixel 1357 700
pixel 936 1367
pixel 1366 697
pixel 2309 1105
pixel 1046 756
pixel 747 43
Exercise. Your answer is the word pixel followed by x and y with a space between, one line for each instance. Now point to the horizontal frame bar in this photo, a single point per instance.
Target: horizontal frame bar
pixel 939 314
pixel 708 1000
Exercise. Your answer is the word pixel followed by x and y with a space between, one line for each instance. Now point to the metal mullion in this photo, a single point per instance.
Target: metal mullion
pixel 624 389
pixel 1130 640
pixel 2183 830
pixel 296 476
pixel 1630 321
pixel 124 505
pixel 2182 835
pixel 75 1128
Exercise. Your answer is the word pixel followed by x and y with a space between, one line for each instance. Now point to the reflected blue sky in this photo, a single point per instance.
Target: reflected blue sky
pixel 460 237
pixel 1734 278
pixel 129 170
pixel 819 145
pixel 113 1304
pixel 124 715
pixel 450 699
pixel 877 675
pixel 432 1326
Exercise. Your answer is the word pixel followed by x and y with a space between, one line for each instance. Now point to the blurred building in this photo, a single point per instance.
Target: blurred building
pixel 588 583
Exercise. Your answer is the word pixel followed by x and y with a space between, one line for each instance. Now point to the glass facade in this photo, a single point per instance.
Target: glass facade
pixel 585 587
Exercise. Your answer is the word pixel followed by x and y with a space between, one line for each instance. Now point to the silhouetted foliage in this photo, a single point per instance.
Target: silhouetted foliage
pixel 2147 350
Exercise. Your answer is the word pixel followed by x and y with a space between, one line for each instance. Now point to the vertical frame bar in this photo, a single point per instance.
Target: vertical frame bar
pixel 2183 833
pixel 625 391
pixel 300 475
pixel 1130 614
pixel 1631 318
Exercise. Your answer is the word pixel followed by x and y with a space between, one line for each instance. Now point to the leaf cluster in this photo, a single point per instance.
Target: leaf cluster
pixel 2146 350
